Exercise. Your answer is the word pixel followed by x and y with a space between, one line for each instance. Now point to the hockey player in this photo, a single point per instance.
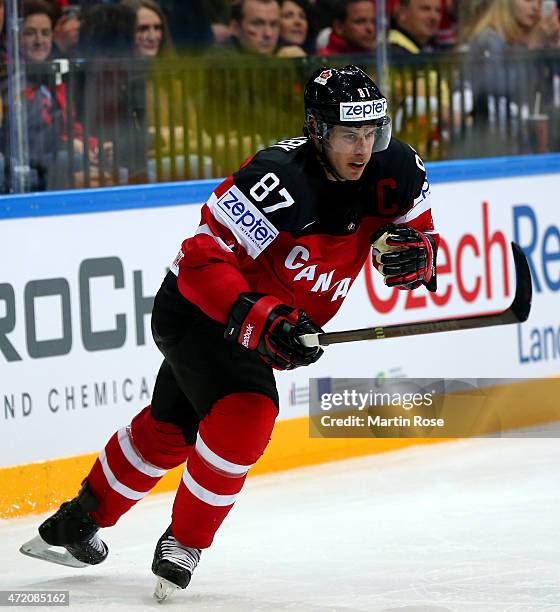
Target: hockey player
pixel 278 246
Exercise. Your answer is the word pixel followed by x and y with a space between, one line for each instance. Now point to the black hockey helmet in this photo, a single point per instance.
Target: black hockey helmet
pixel 346 96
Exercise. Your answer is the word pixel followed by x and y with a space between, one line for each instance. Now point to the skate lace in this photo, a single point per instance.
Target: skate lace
pixel 96 543
pixel 180 555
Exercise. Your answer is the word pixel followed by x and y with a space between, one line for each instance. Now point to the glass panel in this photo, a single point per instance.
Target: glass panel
pixel 479 82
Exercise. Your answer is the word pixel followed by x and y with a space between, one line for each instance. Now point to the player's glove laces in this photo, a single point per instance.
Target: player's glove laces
pixel 406 257
pixel 262 323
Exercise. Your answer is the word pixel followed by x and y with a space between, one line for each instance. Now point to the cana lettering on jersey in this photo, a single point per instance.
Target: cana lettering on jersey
pixel 363 111
pixel 251 228
pixel 322 282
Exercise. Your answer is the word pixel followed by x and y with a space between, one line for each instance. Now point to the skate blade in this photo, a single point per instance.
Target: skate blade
pixel 39 549
pixel 164 589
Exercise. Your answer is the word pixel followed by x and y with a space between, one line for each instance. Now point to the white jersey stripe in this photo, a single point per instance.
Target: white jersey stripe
pixel 208 497
pixel 134 458
pixel 415 211
pixel 215 460
pixel 117 486
pixel 211 201
pixel 205 229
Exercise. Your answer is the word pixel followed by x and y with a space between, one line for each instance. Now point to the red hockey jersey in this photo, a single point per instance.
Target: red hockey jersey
pixel 278 226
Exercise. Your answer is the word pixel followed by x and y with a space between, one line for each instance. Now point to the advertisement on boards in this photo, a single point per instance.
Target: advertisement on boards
pixel 76 356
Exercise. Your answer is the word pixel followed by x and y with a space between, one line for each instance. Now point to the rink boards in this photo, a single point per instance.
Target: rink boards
pixel 80 270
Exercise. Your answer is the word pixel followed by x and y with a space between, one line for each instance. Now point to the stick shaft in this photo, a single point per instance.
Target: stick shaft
pixel 416 329
pixel 516 313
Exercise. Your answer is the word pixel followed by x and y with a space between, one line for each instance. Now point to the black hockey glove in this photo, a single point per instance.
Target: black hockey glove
pixel 405 257
pixel 262 323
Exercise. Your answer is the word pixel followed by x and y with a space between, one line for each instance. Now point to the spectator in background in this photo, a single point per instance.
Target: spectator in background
pixel 165 96
pixel 514 23
pixel 112 91
pixel 505 82
pixel 219 12
pixel 151 31
pixel 415 23
pixel 254 105
pixel 421 99
pixel 37 32
pixel 255 25
pixel 296 36
pixel 353 28
pixel 468 16
pixel 507 27
pixel 446 38
pixel 66 34
pixel 55 139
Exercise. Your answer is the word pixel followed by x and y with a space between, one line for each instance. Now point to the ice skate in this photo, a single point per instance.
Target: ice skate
pixel 173 565
pixel 71 527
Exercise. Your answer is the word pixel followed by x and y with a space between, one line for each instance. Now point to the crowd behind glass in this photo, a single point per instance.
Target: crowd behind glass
pixel 141 91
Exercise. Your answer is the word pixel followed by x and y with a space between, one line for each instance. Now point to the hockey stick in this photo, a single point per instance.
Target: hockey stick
pixel 516 313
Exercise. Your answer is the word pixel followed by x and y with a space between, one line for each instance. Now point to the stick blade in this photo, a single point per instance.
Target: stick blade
pixel 521 305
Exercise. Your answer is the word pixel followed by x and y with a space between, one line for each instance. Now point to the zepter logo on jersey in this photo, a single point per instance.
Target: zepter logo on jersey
pixel 245 221
pixel 363 111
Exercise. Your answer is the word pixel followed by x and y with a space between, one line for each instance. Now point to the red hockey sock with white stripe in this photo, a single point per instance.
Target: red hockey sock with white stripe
pixel 230 440
pixel 132 463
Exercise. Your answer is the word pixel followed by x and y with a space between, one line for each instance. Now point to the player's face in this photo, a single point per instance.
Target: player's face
pixel 349 149
pixel 36 37
pixel 259 29
pixel 148 33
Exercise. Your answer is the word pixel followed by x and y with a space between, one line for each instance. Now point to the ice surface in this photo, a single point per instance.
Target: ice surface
pixel 470 525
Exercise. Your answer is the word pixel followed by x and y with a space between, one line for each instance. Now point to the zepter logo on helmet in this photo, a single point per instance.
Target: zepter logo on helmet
pixel 348 97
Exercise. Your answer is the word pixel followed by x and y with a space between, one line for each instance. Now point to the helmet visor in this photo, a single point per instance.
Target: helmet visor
pixel 359 140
